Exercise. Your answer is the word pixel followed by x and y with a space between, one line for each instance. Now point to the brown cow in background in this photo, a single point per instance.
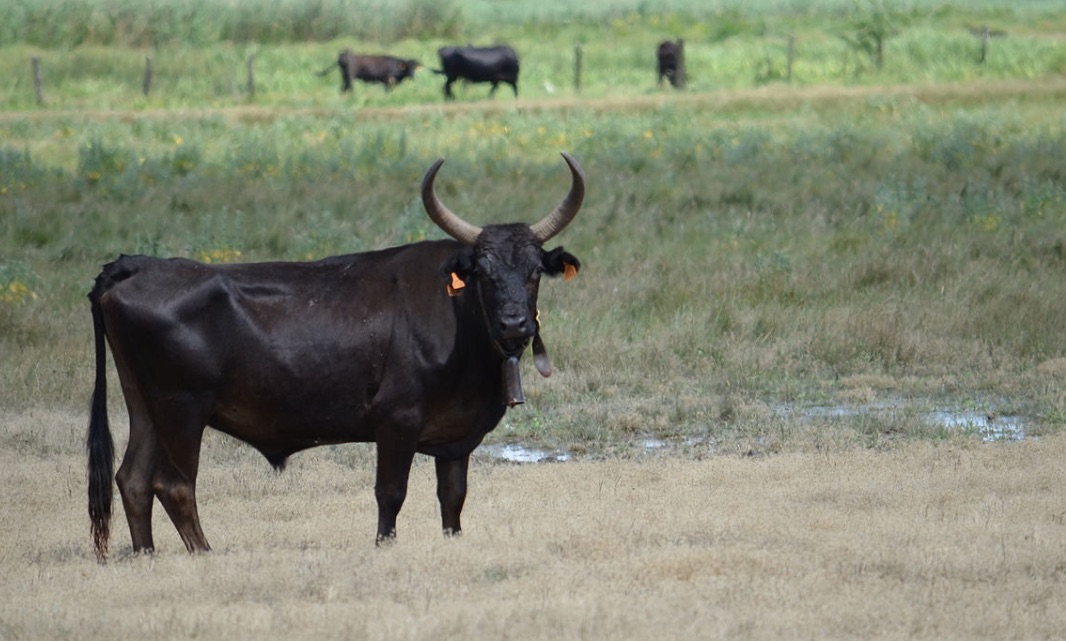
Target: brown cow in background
pixel 388 70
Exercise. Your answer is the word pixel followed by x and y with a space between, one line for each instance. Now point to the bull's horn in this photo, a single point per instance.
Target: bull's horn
pixel 445 218
pixel 558 219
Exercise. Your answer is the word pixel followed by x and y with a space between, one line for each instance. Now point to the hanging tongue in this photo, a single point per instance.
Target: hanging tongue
pixel 540 357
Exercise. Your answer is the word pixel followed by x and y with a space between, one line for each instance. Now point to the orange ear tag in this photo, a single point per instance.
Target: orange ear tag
pixel 456 285
pixel 569 271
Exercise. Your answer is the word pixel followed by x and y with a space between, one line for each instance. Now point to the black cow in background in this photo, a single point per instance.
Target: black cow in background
pixel 388 70
pixel 478 64
pixel 671 62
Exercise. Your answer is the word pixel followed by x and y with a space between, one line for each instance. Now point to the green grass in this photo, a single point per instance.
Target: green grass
pixel 200 54
pixel 154 23
pixel 857 234
pixel 731 263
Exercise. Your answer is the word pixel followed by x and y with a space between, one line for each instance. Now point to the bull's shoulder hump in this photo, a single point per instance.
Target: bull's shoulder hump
pixel 137 273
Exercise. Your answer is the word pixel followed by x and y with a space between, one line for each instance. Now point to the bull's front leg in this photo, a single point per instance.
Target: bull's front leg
pixel 390 490
pixel 451 492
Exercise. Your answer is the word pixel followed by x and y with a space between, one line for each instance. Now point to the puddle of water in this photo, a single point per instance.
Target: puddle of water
pixel 991 427
pixel 515 453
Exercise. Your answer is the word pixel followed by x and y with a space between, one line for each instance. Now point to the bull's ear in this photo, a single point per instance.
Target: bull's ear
pixel 558 261
pixel 458 269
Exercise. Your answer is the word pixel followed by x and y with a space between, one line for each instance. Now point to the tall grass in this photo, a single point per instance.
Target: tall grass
pixel 731 262
pixel 140 23
pixel 748 242
pixel 137 23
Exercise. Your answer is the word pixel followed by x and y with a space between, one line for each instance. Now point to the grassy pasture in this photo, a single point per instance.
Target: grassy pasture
pixel 751 249
pixel 745 251
pixel 923 541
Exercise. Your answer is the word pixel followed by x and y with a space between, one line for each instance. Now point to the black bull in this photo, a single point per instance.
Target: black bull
pixel 388 70
pixel 415 348
pixel 670 62
pixel 478 64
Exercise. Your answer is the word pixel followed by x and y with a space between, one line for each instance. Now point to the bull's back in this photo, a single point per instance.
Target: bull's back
pixel 278 351
pixel 480 63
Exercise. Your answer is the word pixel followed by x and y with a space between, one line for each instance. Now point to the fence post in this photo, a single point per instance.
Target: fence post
pixel 682 73
pixel 146 86
pixel 791 55
pixel 251 77
pixel 985 37
pixel 38 85
pixel 577 67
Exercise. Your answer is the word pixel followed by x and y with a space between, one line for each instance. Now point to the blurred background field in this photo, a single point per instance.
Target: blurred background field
pixel 859 235
pixel 92 52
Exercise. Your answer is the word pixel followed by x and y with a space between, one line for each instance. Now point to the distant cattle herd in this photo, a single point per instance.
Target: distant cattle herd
pixel 494 65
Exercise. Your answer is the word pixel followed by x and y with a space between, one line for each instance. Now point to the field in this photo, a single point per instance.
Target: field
pixel 918 541
pixel 811 380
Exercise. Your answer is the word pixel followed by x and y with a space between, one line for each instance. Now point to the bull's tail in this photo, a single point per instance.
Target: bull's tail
pixel 98 443
pixel 439 72
pixel 327 70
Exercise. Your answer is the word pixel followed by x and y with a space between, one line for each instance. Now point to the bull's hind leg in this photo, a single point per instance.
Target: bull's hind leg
pixel 177 493
pixel 134 477
pixel 179 428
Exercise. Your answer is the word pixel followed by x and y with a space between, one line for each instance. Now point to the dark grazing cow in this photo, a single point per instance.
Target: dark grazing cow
pixel 670 57
pixel 415 348
pixel 388 70
pixel 478 64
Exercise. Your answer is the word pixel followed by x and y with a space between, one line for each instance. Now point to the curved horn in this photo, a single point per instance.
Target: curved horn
pixel 445 218
pixel 561 216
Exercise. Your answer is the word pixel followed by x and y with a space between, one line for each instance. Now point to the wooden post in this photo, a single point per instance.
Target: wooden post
pixel 577 68
pixel 682 74
pixel 791 55
pixel 251 77
pixel 146 86
pixel 985 37
pixel 38 85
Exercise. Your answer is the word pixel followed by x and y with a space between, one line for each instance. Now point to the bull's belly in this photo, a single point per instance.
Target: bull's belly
pixel 271 428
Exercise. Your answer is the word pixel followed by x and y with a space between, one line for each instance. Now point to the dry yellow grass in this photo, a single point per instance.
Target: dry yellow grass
pixel 922 541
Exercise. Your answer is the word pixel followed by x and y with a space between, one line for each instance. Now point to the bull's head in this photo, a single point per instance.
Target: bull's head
pixel 504 263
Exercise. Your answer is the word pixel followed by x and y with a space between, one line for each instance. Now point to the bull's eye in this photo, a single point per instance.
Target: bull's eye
pixel 488 265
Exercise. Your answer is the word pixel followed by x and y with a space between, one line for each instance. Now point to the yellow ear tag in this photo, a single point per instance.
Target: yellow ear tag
pixel 456 285
pixel 569 271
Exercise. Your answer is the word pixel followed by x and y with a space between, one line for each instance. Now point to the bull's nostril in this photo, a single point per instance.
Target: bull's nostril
pixel 512 323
